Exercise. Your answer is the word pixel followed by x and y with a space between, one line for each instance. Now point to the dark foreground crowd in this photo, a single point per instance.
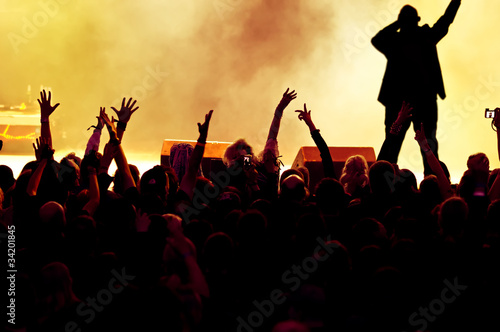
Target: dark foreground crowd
pixel 246 249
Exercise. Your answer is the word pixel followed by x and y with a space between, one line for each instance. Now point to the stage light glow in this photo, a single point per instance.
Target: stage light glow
pixel 30 136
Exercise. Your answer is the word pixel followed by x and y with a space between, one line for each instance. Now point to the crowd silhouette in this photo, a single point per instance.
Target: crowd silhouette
pixel 254 250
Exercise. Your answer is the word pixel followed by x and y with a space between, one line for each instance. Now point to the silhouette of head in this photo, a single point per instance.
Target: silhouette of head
pixel 293 189
pixel 478 162
pixel 52 216
pixel 236 151
pixel 382 177
pixel 453 215
pixel 288 172
pixel 355 170
pixel 155 181
pixel 408 17
pixel 330 196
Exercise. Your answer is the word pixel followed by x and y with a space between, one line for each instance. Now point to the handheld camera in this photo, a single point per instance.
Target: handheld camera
pixel 247 161
pixel 490 114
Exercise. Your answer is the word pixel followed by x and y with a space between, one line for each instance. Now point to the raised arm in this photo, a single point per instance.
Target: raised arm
pixel 326 158
pixel 494 192
pixel 270 154
pixel 440 29
pixel 384 39
pixel 116 148
pixel 444 183
pixel 278 113
pixel 124 115
pixel 45 111
pixel 189 179
pixel 451 11
pixel 92 164
pixel 496 123
pixel 403 116
pixel 95 139
pixel 43 154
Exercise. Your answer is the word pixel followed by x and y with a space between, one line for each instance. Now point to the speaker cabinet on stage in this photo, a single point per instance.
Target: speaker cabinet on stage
pixel 212 158
pixel 309 157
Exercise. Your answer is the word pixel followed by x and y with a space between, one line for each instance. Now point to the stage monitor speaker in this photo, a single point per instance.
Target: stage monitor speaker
pixel 212 158
pixel 309 157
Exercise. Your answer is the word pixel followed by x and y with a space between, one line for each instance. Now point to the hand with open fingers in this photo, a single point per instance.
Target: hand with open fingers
pixel 404 113
pixel 42 149
pixel 113 136
pixel 126 110
pixel 100 123
pixel 288 97
pixel 45 108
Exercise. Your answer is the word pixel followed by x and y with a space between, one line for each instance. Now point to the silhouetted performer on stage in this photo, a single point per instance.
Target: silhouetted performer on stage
pixel 413 75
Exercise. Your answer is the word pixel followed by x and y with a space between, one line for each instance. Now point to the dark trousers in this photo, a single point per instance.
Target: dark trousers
pixel 424 111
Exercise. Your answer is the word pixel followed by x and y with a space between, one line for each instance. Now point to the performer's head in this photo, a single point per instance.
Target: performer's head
pixel 408 17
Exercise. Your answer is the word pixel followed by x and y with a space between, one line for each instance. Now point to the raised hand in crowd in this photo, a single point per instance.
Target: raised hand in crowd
pixel 421 139
pixel 43 149
pixel 403 115
pixel 100 122
pixel 109 153
pixel 46 109
pixel 496 123
pixel 124 115
pixel 110 125
pixel 116 148
pixel 92 163
pixel 443 182
pixel 305 116
pixel 203 128
pixel 110 149
pixel 278 113
pixel 43 153
pixel 287 98
pixel 271 152
pixel 494 192
pixel 95 139
pixel 189 179
pixel 326 157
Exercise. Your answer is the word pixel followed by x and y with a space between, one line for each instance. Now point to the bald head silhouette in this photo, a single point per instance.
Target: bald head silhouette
pixel 52 216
